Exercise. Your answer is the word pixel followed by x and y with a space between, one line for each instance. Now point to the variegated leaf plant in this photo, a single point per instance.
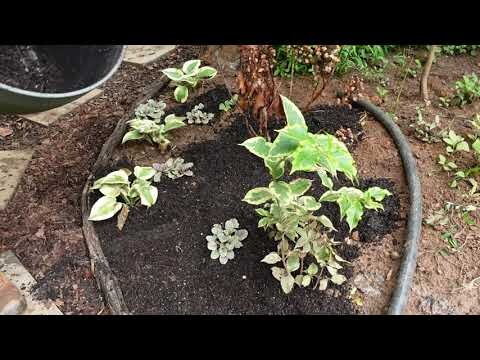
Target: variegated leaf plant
pixel 188 77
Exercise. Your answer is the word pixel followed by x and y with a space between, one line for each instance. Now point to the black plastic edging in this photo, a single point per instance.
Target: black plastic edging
pixel 414 225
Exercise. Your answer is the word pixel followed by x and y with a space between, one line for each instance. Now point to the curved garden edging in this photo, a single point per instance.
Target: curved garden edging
pixel 414 225
pixel 104 276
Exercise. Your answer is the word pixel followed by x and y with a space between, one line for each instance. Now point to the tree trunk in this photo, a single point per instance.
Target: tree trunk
pixel 426 73
pixel 258 93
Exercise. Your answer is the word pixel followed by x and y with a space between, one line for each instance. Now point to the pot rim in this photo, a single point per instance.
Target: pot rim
pixel 76 93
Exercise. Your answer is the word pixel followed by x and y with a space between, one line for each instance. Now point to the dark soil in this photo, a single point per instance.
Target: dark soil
pixel 332 119
pixel 161 258
pixel 21 66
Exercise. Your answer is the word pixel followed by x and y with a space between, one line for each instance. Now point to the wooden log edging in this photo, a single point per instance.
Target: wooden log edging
pixel 107 282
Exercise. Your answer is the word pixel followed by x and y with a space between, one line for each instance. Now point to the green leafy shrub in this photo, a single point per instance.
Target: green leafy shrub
pixel 121 194
pixel 289 214
pixel 459 49
pixel 197 116
pixel 188 77
pixel 224 241
pixel 173 168
pixel 467 90
pixel 362 57
pixel 153 131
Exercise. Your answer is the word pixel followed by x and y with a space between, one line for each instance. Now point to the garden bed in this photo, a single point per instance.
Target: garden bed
pixel 160 257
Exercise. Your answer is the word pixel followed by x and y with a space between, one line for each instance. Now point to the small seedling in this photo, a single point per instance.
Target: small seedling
pixel 173 168
pixel 225 239
pixel 120 194
pixel 227 105
pixel 197 116
pixel 447 165
pixel 467 90
pixel 382 92
pixel 455 142
pixel 188 77
pixel 152 131
pixel 413 71
pixel 425 131
pixel 444 102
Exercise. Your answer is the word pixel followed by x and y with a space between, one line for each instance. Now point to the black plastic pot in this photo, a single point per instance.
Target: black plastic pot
pixel 83 68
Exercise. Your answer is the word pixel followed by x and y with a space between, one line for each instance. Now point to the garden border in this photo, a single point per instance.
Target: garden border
pixel 106 280
pixel 414 225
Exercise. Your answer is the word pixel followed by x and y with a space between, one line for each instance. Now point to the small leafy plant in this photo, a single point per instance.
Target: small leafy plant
pixel 224 241
pixel 153 131
pixel 188 77
pixel 382 92
pixel 289 214
pixel 467 90
pixel 151 110
pixel 119 194
pixel 425 131
pixel 352 202
pixel 227 105
pixel 451 218
pixel 173 168
pixel 197 116
pixel 456 144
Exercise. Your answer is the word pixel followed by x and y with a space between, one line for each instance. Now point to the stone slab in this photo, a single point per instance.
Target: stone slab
pixel 144 54
pixel 48 117
pixel 12 302
pixel 12 166
pixel 11 267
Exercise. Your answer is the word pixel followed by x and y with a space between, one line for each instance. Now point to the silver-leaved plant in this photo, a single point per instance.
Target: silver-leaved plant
pixel 151 110
pixel 197 116
pixel 173 168
pixel 225 239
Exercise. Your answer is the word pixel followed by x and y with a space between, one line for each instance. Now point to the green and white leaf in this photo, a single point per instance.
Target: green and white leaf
pixel 300 186
pixel 271 258
pixel 174 122
pixel 287 282
pixel 173 74
pixel 191 67
pixel 104 208
pixel 258 196
pixel 257 146
pixel 181 93
pixel 144 172
pixel 207 72
pixel 292 113
pixel 132 135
